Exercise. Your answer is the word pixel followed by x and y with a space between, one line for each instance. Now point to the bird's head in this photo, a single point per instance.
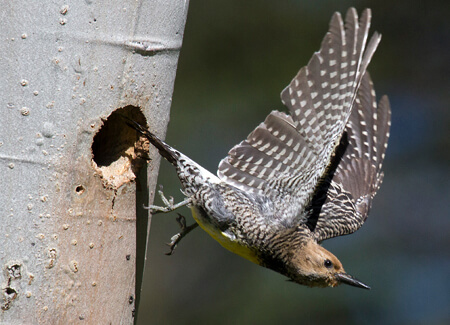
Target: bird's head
pixel 314 266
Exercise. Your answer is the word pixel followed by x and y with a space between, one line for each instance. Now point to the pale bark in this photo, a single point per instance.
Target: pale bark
pixel 68 225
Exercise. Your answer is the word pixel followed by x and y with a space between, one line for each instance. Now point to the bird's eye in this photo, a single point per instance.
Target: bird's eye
pixel 328 264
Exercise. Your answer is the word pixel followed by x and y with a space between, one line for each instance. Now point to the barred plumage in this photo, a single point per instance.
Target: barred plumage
pixel 341 203
pixel 302 177
pixel 284 157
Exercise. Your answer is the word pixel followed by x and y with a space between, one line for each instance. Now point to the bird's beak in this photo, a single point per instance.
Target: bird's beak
pixel 348 279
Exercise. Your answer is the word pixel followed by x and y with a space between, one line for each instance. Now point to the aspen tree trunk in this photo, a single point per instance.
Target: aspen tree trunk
pixel 72 229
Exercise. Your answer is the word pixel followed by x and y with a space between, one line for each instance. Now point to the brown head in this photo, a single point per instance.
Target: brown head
pixel 314 266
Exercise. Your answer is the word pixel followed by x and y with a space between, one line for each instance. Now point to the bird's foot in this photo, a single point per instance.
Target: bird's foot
pixel 184 231
pixel 169 204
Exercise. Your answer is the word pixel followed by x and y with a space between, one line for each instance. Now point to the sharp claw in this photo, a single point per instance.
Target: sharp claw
pixel 181 221
pixel 184 231
pixel 155 209
pixel 173 243
pixel 172 249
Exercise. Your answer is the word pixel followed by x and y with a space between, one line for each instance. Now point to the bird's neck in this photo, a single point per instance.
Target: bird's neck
pixel 277 254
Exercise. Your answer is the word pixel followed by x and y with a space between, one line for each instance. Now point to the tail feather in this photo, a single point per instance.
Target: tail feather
pixel 164 149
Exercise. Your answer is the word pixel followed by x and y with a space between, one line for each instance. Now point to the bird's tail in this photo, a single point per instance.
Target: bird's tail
pixel 191 174
pixel 164 149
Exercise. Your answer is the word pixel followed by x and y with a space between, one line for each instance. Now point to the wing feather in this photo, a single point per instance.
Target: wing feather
pixel 341 204
pixel 286 156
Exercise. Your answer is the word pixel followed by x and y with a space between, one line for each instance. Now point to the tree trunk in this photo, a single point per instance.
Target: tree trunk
pixel 72 229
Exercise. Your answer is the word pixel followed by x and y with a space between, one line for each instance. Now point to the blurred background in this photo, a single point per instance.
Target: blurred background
pixel 237 56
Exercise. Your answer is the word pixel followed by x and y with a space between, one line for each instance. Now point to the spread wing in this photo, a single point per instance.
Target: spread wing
pixel 286 155
pixel 341 203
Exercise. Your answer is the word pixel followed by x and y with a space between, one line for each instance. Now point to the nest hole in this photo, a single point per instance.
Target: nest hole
pixel 118 152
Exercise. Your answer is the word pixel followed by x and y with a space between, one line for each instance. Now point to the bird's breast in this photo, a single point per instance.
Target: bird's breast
pixel 225 239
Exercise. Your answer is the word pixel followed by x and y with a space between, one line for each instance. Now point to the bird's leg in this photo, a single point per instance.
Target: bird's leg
pixel 184 231
pixel 169 205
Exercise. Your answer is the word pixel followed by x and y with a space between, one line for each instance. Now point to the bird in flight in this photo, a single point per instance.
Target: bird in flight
pixel 300 177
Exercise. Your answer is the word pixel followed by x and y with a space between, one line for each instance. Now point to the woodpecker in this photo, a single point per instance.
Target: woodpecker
pixel 300 177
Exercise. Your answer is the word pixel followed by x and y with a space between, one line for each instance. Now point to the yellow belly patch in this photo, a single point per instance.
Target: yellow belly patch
pixel 224 240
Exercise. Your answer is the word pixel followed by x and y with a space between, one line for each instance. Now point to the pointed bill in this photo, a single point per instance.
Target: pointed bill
pixel 348 279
